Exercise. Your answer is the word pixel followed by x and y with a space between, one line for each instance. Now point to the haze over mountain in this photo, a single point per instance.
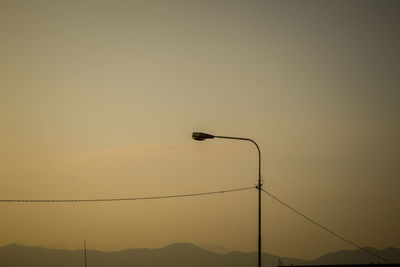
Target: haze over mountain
pixel 177 255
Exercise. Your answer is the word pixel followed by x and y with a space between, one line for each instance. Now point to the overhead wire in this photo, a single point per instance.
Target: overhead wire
pixel 124 199
pixel 325 228
pixel 194 195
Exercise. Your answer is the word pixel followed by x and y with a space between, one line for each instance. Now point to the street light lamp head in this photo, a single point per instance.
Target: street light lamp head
pixel 201 136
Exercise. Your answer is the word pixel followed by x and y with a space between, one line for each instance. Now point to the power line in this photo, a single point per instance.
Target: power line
pixel 123 199
pixel 194 195
pixel 325 228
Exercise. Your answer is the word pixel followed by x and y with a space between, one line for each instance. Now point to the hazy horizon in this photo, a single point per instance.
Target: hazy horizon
pixel 98 99
pixel 220 250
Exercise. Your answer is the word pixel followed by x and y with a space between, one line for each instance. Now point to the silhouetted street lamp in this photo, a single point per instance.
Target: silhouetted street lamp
pixel 198 136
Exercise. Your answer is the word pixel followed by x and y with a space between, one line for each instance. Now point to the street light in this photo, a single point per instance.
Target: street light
pixel 198 136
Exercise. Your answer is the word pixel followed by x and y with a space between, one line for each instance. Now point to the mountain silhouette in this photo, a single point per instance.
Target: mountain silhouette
pixel 174 255
pixel 359 256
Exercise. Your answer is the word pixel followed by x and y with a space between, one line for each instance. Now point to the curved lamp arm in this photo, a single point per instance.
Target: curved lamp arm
pixel 199 136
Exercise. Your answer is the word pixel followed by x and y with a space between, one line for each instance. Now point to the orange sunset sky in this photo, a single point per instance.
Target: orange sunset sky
pixel 98 99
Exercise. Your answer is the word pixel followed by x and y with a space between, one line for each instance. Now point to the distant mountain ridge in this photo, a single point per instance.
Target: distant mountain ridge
pixel 358 256
pixel 174 255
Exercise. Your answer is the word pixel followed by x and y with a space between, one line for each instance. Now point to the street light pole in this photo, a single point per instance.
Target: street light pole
pixel 198 136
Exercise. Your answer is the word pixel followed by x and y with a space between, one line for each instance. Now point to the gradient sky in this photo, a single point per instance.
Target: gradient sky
pixel 99 99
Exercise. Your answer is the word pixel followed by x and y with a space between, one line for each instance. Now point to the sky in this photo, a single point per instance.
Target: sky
pixel 98 99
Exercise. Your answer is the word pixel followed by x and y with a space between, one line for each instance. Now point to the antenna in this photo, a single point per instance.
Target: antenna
pixel 84 245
